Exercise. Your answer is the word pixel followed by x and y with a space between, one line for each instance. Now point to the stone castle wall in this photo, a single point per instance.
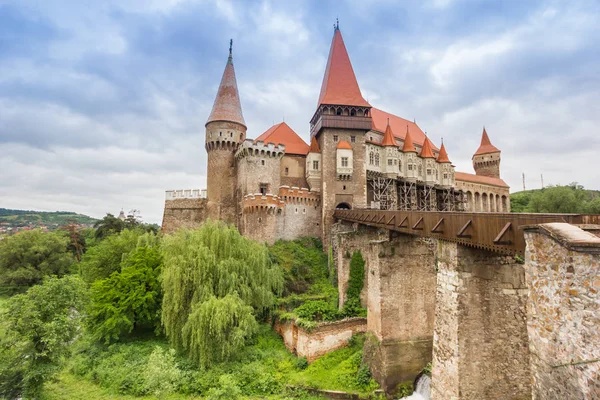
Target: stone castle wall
pixel 480 339
pixel 292 171
pixel 477 202
pixel 487 165
pixel 563 275
pixel 323 339
pixel 184 213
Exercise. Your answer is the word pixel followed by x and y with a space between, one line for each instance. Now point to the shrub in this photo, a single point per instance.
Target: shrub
pixel 318 310
pixel 27 257
pixel 40 325
pixel 352 306
pixel 228 389
pixel 161 374
pixel 129 298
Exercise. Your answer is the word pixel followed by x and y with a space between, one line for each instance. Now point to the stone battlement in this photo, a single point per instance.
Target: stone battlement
pixel 185 194
pixel 258 202
pixel 260 149
pixel 299 195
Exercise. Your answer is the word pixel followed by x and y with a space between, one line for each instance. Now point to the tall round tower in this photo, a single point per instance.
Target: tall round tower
pixel 486 160
pixel 225 130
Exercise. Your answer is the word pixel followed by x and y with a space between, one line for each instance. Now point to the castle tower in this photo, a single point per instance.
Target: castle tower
pixel 225 130
pixel 446 178
pixel 342 115
pixel 486 160
pixel 313 166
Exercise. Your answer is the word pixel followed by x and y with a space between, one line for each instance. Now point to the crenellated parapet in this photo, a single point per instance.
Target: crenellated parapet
pixel 295 195
pixel 267 203
pixel 259 149
pixel 185 194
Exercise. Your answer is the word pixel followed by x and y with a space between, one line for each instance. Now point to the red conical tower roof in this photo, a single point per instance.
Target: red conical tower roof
pixel 443 156
pixel 314 146
pixel 227 106
pixel 408 143
pixel 486 146
pixel 339 83
pixel 426 151
pixel 388 137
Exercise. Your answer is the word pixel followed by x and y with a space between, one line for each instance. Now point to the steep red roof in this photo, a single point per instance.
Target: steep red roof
pixel 408 143
pixel 339 82
pixel 426 151
pixel 487 180
pixel 443 156
pixel 344 145
pixel 227 106
pixel 380 120
pixel 486 146
pixel 314 146
pixel 283 134
pixel 388 137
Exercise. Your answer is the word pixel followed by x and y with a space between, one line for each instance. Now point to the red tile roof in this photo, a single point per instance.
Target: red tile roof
pixel 380 120
pixel 486 180
pixel 408 143
pixel 344 145
pixel 426 150
pixel 227 106
pixel 314 146
pixel 486 146
pixel 388 137
pixel 443 156
pixel 339 82
pixel 283 134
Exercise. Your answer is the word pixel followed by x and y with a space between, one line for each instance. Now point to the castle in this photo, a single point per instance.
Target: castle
pixel 279 187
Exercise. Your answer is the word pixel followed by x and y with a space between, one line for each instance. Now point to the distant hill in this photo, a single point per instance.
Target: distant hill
pixel 11 220
pixel 571 198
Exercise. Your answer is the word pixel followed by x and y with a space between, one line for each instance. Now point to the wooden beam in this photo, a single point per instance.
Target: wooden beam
pixel 498 239
pixel 461 233
pixel 415 226
pixel 435 228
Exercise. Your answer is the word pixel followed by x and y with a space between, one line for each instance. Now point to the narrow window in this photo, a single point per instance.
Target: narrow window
pixel 315 164
pixel 263 188
pixel 230 134
pixel 390 161
pixel 335 138
pixel 220 134
pixel 377 160
pixel 399 165
pixel 344 187
pixel 304 211
pixel 353 112
pixel 344 161
pixel 287 170
pixel 371 158
pixel 353 139
pixel 428 171
pixel 262 162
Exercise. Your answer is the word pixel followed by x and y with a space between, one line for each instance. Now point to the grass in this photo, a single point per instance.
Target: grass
pixel 3 306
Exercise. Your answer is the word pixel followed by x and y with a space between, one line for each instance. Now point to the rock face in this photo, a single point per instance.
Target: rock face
pixel 563 311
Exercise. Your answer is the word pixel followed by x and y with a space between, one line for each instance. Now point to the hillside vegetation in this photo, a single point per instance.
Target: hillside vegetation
pixel 572 198
pixel 51 220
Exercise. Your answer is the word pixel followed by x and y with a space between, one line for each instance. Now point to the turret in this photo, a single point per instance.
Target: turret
pixel 429 171
pixel 391 154
pixel 409 158
pixel 446 178
pixel 486 160
pixel 225 130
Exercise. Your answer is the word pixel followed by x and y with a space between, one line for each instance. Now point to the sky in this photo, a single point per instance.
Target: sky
pixel 103 103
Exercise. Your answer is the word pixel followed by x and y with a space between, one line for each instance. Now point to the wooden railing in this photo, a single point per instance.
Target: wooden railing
pixel 498 232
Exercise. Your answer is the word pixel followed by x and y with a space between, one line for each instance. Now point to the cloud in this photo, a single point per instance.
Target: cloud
pixel 103 104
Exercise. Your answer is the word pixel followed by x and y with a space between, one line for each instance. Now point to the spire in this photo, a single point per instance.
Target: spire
pixel 339 85
pixel 314 146
pixel 388 136
pixel 426 151
pixel 227 106
pixel 486 145
pixel 408 143
pixel 443 156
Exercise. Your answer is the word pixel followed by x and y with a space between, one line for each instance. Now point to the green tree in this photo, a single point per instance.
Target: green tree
pixel 40 325
pixel 557 199
pixel 108 225
pixel 129 299
pixel 356 282
pixel 105 258
pixel 217 266
pixel 27 257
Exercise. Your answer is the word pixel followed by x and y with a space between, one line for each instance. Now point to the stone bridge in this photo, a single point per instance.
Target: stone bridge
pixel 452 288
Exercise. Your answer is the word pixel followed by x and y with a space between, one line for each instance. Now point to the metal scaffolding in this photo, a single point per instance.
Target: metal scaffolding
pixel 384 193
pixel 427 198
pixel 407 196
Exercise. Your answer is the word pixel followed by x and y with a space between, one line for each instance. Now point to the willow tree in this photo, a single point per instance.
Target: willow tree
pixel 215 282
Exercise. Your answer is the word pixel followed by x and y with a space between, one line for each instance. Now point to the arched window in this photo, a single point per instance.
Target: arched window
pixel 377 159
pixel 339 111
pixel 353 112
pixel 371 158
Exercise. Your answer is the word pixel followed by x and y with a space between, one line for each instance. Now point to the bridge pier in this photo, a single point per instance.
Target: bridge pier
pixel 401 305
pixel 480 346
pixel 562 265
